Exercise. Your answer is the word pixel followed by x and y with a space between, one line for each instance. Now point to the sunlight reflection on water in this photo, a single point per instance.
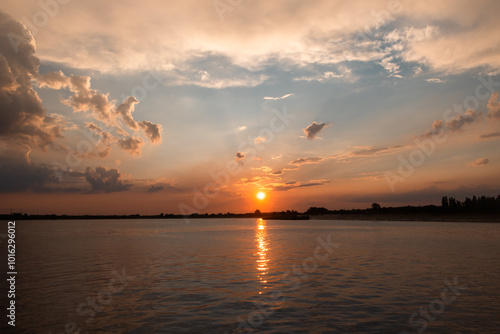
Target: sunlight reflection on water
pixel 262 248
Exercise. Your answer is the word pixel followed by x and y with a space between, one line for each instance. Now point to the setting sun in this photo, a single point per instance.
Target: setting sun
pixel 261 195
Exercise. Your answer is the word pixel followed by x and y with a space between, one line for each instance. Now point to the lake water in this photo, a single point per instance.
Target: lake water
pixel 243 275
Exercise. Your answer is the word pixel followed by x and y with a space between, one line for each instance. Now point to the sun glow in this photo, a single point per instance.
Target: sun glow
pixel 261 195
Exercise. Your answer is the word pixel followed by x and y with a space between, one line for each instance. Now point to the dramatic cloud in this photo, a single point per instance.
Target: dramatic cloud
pixel 106 181
pixel 479 162
pixel 20 175
pixel 22 116
pixel 494 106
pixel 239 157
pixel 442 37
pixel 313 130
pixel 302 161
pixel 132 145
pixel 85 99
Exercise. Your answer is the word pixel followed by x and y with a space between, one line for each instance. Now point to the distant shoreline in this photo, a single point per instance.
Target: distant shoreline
pixel 452 217
pixel 410 217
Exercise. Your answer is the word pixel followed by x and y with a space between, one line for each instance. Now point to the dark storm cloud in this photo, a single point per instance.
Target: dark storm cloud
pixel 106 181
pixel 18 175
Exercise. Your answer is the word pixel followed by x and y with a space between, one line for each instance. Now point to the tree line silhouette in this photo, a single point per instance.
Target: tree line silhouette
pixel 476 204
pixel 483 203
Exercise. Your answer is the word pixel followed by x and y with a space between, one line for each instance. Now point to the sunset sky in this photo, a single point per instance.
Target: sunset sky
pixel 124 107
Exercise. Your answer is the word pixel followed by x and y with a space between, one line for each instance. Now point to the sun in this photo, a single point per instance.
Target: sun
pixel 261 195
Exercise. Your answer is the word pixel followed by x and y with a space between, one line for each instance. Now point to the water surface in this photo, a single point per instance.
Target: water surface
pixel 224 275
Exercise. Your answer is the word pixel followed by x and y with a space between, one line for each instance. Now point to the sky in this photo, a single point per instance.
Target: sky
pixel 195 106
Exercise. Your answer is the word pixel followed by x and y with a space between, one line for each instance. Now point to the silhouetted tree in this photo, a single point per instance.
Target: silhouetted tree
pixel 444 201
pixel 376 206
pixel 317 211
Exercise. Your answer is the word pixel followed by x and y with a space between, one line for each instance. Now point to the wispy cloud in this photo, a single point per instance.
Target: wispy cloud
pixel 294 185
pixel 302 161
pixel 343 72
pixel 255 179
pixel 490 135
pixel 479 162
pixel 278 98
pixel 363 151
pixel 436 80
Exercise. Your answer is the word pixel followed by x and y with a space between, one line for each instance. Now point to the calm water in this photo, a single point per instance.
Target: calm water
pixel 229 276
